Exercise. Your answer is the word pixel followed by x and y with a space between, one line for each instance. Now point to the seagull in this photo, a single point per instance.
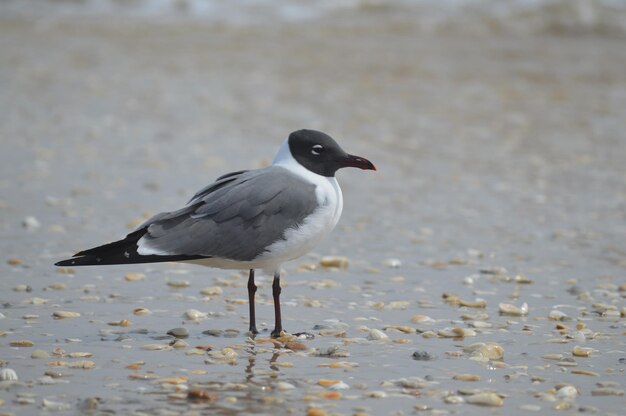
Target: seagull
pixel 246 220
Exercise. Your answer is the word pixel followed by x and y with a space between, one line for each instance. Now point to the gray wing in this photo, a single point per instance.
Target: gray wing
pixel 235 218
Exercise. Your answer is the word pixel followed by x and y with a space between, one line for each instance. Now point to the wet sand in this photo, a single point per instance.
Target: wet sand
pixel 501 179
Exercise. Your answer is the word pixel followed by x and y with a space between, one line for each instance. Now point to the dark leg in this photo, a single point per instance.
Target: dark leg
pixel 278 324
pixel 251 293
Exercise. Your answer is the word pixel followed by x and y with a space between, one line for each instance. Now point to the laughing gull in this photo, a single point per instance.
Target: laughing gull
pixel 250 219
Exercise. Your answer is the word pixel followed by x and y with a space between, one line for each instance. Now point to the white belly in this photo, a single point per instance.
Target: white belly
pixel 299 241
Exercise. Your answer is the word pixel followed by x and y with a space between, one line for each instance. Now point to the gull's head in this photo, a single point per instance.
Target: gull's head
pixel 319 153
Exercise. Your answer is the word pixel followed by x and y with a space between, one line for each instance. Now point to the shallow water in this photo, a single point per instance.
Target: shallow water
pixel 497 156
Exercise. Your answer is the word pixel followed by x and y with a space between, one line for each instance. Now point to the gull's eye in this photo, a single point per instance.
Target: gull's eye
pixel 317 150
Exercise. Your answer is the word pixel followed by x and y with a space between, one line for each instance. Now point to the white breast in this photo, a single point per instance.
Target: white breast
pixel 299 241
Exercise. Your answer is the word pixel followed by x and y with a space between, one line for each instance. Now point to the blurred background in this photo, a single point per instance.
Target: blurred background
pixel 498 128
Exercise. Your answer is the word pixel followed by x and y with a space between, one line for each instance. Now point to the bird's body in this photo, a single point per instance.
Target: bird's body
pixel 256 219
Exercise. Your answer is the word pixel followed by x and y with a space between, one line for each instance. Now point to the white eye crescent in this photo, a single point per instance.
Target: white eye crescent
pixel 317 149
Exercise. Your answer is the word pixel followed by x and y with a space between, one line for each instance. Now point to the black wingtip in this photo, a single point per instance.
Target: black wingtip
pixel 63 263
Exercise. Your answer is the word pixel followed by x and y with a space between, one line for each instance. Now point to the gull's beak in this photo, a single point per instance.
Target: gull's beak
pixel 356 162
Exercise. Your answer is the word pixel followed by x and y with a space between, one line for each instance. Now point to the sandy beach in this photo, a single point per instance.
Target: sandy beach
pixel 487 255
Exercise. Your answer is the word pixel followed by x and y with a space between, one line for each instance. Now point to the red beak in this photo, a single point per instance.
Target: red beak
pixel 356 162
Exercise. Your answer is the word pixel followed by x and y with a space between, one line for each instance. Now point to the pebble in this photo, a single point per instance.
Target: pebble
pixel 40 354
pixel 485 351
pixel 283 385
pixel 8 374
pixel 156 347
pixel 417 319
pixel 31 223
pixel 377 335
pixel 398 305
pixel 466 377
pixel 35 301
pixel 14 262
pixel 333 351
pixel 195 314
pixel 392 263
pixel 423 356
pixel 512 310
pixel 142 311
pixel 581 351
pixel 454 399
pixel 557 315
pixel 485 399
pixel 54 405
pixel 376 394
pixel 337 262
pixel 202 395
pixel 607 391
pixel 22 343
pixel 179 284
pixel 133 277
pixel 567 392
pixel 456 332
pixel 530 407
pixel 57 286
pixel 178 332
pixel 226 355
pixel 212 291
pixel 23 288
pixel 84 364
pixel 65 314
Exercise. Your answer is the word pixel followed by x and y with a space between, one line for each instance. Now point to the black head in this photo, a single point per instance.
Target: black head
pixel 320 153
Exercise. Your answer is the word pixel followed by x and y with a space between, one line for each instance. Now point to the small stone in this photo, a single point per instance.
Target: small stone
pixel 57 286
pixel 22 343
pixel 195 315
pixel 178 284
pixel 398 305
pixel 156 347
pixel 562 406
pixel 8 374
pixel 456 332
pixel 31 223
pixel 512 310
pixel 55 406
pixel 202 395
pixel 454 399
pixel 283 385
pixel 337 262
pixel 141 311
pixel 84 364
pixel 377 335
pixel 423 356
pixel 607 391
pixel 485 350
pixel 466 377
pixel 393 263
pixel 212 291
pixel 178 344
pixel 567 392
pixel 418 319
pixel 557 315
pixel 65 314
pixel 581 352
pixel 133 277
pixel 178 332
pixel 314 411
pixel 23 288
pixel 376 394
pixel 40 354
pixel 14 262
pixel 585 373
pixel 295 346
pixel 485 399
